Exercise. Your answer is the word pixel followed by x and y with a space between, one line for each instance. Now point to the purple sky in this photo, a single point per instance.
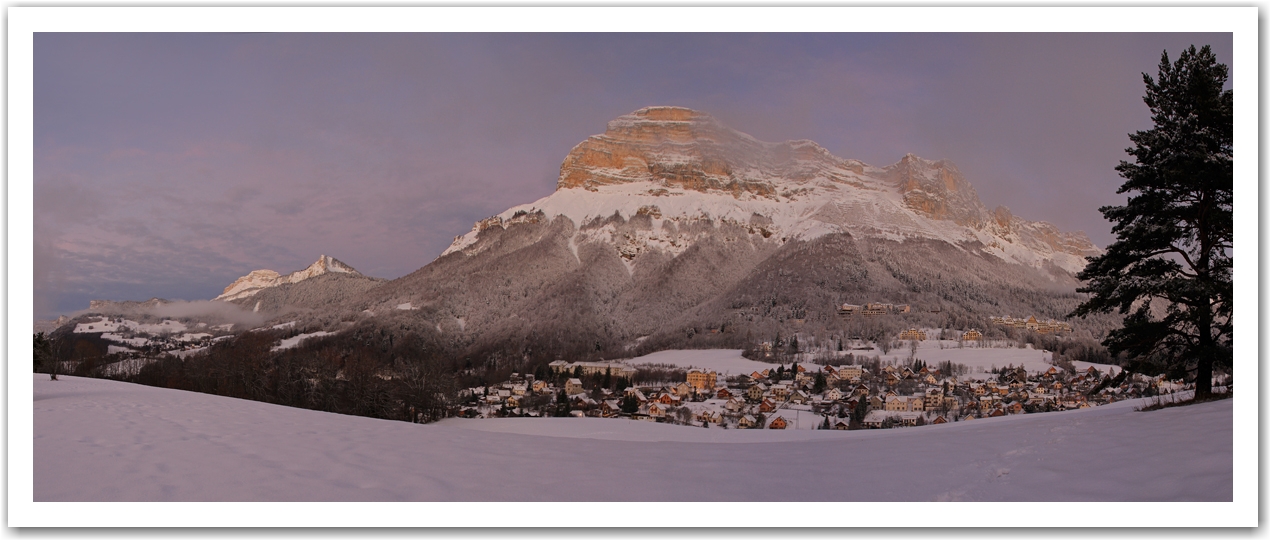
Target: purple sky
pixel 170 164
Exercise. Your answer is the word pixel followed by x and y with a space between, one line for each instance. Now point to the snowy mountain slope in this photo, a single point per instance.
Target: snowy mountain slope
pixel 100 440
pixel 258 280
pixel 677 166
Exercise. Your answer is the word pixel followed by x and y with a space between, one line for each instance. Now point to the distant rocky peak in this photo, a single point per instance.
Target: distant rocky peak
pixel 258 280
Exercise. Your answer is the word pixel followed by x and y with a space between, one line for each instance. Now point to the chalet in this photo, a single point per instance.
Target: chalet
pixel 539 386
pixel 972 335
pixel 667 398
pixel 513 401
pixel 766 406
pixel 777 423
pixel 734 405
pixel 996 412
pixel 610 408
pixel 840 424
pixel 573 386
pixel 833 395
pixel 656 410
pixel 756 392
pixel 799 397
pixel 1014 408
pixel 939 420
pixel 747 422
pixel 757 375
pixel 876 403
pixel 723 393
pixel 519 389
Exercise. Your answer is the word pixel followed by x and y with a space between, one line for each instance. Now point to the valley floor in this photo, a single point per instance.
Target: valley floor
pixel 99 440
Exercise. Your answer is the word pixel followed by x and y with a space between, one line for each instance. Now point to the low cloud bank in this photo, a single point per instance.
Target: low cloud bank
pixel 211 311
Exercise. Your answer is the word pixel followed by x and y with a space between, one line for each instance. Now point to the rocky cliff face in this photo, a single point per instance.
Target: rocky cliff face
pixel 673 167
pixel 258 280
pixel 673 147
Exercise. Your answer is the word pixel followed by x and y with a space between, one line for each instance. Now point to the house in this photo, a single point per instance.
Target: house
pixel 701 380
pixel 757 375
pixel 766 406
pixel 707 416
pixel 734 405
pixel 539 386
pixel 782 390
pixel 833 394
pixel 939 420
pixel 912 334
pixel 747 422
pixel 850 372
pixel 683 390
pixel 971 335
pixel 876 403
pixel 573 386
pixel 874 419
pixel 632 391
pixel 799 397
pixel 656 410
pixel 723 393
pixel 610 408
pixel 667 398
pixel 777 423
pixel 934 398
pixel 755 392
pixel 513 401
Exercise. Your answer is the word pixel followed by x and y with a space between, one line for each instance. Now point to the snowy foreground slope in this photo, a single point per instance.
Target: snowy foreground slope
pixel 98 440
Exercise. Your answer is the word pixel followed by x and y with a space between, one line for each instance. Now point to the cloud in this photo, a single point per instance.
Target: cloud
pixel 211 311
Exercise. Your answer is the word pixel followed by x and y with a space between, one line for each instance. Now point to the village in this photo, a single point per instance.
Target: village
pixel 808 396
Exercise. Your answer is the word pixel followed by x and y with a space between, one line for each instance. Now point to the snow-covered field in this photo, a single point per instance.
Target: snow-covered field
pixel 723 361
pixel 99 440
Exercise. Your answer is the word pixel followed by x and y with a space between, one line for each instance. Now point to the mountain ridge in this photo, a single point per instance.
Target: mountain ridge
pixel 676 165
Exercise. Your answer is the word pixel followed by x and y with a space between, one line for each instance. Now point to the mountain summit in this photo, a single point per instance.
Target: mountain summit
pixel 679 166
pixel 259 280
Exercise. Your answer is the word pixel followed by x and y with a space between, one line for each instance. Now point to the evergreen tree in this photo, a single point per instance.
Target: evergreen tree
pixel 563 407
pixel 629 404
pixel 820 384
pixel 42 350
pixel 1169 270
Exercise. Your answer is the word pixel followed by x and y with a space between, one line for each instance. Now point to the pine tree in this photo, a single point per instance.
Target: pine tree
pixel 1169 270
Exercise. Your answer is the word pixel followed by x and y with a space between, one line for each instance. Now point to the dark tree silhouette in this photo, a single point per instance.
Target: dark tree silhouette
pixel 1169 270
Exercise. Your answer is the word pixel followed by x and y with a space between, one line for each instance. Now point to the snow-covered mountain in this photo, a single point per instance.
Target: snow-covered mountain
pixel 678 167
pixel 670 230
pixel 259 280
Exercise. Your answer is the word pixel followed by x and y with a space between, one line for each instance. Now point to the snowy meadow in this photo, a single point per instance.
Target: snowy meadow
pixel 101 440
